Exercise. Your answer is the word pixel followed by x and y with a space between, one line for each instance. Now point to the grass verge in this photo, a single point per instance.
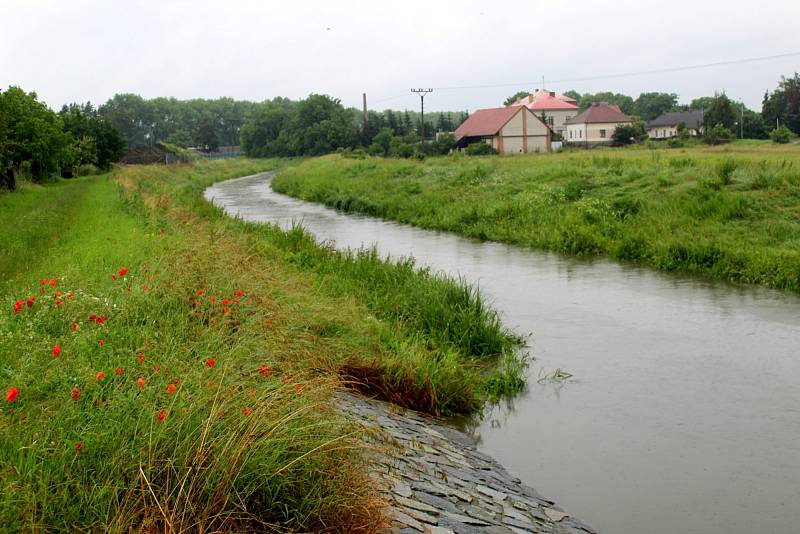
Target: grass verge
pixel 730 213
pixel 168 368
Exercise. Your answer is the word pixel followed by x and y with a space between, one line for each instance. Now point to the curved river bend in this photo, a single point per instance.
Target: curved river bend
pixel 684 413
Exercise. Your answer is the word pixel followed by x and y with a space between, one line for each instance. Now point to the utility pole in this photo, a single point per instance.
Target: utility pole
pixel 741 127
pixel 366 114
pixel 422 93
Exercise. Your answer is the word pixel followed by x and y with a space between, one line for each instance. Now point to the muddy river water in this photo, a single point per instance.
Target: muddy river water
pixel 683 413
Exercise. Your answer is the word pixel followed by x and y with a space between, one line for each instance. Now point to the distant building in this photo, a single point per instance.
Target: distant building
pixel 666 126
pixel 595 125
pixel 555 109
pixel 509 130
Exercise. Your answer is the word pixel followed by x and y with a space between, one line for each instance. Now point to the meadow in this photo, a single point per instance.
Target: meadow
pixel 730 212
pixel 165 367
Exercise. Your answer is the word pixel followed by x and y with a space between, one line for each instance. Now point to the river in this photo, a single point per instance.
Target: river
pixel 683 413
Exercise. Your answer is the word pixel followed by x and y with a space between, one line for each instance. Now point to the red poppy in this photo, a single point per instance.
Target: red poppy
pixel 171 389
pixel 211 362
pixel 92 317
pixel 79 446
pixel 58 294
pixel 123 271
pixel 56 350
pixel 12 394
pixel 298 387
pixel 44 281
pixel 113 276
pixel 213 299
pixel 162 414
pixel 18 306
pixel 140 383
pixel 54 282
pixel 74 326
pixel 253 393
pixel 76 393
pixel 140 357
pixel 101 375
pixel 247 410
pixel 30 301
pixel 101 342
pixel 222 413
pixel 239 293
pixel 226 301
pixel 265 371
pixel 118 371
pixel 200 291
pixel 59 302
pixel 101 319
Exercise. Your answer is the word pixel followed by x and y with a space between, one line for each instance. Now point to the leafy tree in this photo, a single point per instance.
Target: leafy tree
pixel 180 138
pixel 34 135
pixel 781 135
pixel 261 132
pixel 783 105
pixel 516 96
pixel 443 123
pixel 573 94
pixel 407 125
pixel 648 106
pixel 95 140
pixel 717 135
pixel 720 111
pixel 207 138
pixel 704 102
pixel 624 102
pixel 382 142
pixel 625 134
pixel 392 122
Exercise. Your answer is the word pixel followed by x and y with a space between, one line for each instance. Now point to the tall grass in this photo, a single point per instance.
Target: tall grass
pixel 162 441
pixel 731 213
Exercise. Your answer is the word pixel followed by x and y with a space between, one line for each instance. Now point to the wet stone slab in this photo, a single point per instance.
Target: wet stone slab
pixel 438 483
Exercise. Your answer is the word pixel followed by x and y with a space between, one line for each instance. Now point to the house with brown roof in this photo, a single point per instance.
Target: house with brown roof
pixel 595 125
pixel 553 108
pixel 509 130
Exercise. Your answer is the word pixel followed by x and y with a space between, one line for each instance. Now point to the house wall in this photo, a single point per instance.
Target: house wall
pixel 523 134
pixel 559 116
pixel 591 133
pixel 666 132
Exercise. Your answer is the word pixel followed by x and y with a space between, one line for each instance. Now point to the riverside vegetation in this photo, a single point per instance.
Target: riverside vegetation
pixel 165 367
pixel 730 212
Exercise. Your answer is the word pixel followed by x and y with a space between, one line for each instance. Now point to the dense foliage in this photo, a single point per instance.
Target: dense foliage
pixel 782 106
pixel 37 142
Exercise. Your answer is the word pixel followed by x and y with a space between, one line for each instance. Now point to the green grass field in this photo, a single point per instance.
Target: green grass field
pixel 730 212
pixel 167 368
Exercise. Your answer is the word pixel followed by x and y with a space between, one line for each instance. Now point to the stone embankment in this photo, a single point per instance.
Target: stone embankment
pixel 437 481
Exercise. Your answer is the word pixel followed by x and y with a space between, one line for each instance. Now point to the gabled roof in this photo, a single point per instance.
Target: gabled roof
pixel 600 112
pixel 544 100
pixel 693 119
pixel 486 121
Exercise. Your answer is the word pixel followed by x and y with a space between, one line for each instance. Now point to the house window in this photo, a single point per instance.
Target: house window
pixel 602 133
pixel 550 121
pixel 570 134
pixel 581 133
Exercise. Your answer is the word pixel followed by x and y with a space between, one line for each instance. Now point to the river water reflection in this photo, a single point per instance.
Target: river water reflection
pixel 684 411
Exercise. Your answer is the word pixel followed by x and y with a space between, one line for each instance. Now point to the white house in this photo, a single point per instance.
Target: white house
pixel 595 125
pixel 554 108
pixel 509 130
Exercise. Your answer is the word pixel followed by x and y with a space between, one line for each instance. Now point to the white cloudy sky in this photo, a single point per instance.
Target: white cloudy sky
pixel 78 50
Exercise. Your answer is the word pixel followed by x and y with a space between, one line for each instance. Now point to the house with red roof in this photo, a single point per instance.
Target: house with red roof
pixel 595 125
pixel 509 130
pixel 553 108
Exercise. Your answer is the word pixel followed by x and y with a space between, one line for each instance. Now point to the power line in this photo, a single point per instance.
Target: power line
pixel 612 76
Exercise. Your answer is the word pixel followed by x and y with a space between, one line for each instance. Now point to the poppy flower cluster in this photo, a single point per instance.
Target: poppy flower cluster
pixel 227 303
pixel 122 272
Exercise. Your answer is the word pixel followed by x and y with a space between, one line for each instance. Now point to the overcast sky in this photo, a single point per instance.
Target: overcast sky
pixel 91 49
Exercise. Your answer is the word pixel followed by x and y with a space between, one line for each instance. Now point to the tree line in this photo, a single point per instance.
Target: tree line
pixel 38 142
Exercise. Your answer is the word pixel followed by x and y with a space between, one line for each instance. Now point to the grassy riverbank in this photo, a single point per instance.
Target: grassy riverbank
pixel 165 367
pixel 730 212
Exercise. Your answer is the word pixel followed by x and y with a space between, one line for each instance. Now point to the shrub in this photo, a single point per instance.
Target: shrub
pixel 781 135
pixel 718 135
pixel 480 149
pixel 725 170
